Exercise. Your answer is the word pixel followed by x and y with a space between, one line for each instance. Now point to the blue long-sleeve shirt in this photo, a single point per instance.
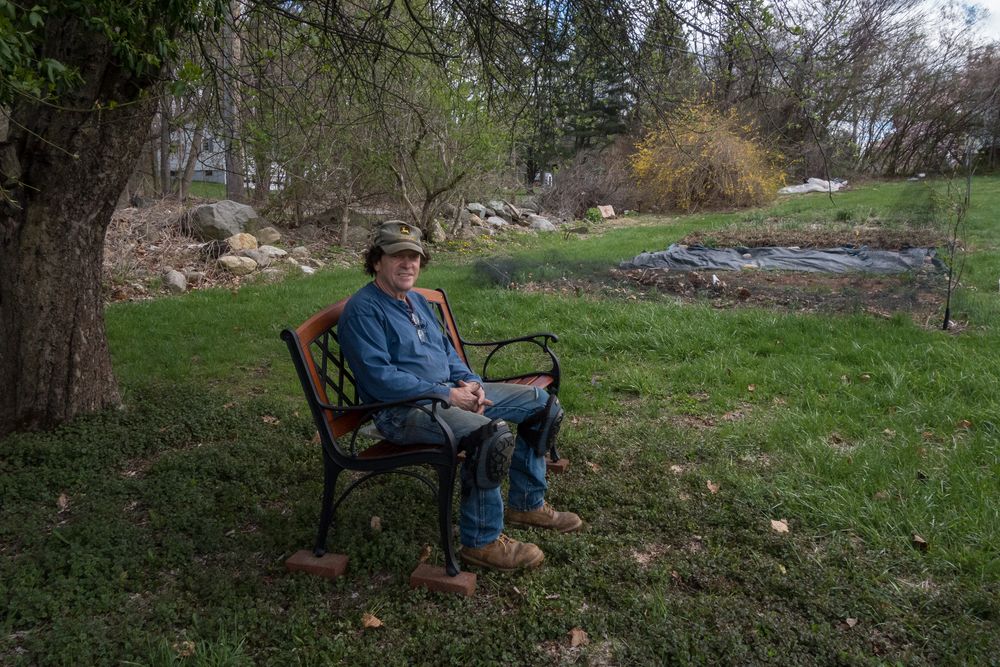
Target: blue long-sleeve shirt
pixel 390 358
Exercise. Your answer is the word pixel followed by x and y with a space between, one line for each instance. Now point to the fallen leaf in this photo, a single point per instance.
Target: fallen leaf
pixel 677 469
pixel 62 502
pixel 919 542
pixel 779 525
pixel 376 524
pixel 370 621
pixel 964 424
pixel 889 432
pixel 865 377
pixel 781 569
pixel 184 649
pixel 577 637
pixel 552 596
pixel 228 405
pixel 269 419
pixel 425 553
pixel 315 438
pixel 851 622
pixel 881 495
pixel 683 496
pixel 714 488
pixel 751 388
pixel 844 379
pixel 593 466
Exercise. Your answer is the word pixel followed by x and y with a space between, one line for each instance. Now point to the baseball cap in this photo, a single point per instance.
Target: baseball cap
pixel 395 236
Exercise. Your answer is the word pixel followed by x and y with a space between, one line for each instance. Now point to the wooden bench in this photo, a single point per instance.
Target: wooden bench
pixel 340 417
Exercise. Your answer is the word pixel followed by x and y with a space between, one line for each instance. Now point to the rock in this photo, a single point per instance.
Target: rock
pixel 268 235
pixel 242 241
pixel 272 274
pixel 193 277
pixel 477 209
pixel 239 266
pixel 501 210
pixel 221 220
pixel 540 223
pixel 308 270
pixel 496 221
pixel 262 259
pixel 475 220
pixel 300 252
pixel 273 252
pixel 357 237
pixel 435 232
pixel 175 281
pixel 607 212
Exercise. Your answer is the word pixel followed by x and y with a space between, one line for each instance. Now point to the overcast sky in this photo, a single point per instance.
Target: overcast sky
pixel 991 28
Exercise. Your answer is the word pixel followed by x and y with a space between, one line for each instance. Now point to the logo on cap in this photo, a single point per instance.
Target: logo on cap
pixel 404 230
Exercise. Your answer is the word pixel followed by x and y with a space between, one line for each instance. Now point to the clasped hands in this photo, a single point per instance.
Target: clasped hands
pixel 469 396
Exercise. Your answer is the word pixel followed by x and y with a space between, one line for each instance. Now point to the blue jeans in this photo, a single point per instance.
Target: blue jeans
pixel 481 514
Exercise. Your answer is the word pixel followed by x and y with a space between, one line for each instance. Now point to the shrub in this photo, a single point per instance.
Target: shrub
pixel 595 176
pixel 699 157
pixel 593 215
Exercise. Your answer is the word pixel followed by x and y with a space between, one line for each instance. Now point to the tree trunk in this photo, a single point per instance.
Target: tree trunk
pixel 230 120
pixel 184 183
pixel 68 168
pixel 165 179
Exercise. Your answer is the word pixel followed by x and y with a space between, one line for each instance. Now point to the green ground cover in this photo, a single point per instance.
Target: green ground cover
pixel 156 534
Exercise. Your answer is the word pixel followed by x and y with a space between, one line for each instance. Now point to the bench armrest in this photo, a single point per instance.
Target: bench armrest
pixel 541 340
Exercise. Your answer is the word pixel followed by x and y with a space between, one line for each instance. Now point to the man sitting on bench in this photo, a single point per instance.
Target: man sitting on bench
pixel 396 350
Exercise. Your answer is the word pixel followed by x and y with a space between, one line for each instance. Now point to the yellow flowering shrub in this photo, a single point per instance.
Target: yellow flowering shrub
pixel 699 157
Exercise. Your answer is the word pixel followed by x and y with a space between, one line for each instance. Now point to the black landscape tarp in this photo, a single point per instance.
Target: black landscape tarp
pixel 845 259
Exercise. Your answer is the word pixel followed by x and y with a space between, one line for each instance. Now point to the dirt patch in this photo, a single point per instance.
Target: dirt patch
pixel 920 295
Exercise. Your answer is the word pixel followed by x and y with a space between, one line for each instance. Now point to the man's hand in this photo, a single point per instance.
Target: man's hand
pixel 469 396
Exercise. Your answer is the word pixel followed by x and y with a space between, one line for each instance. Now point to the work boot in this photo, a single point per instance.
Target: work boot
pixel 504 554
pixel 544 517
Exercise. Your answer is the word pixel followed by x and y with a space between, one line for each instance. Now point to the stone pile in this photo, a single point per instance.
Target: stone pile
pixel 478 219
pixel 248 249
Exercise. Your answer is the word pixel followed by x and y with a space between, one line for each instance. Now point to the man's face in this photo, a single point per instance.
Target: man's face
pixel 397 273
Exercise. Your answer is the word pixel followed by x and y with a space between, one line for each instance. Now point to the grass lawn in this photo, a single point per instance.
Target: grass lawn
pixel 157 534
